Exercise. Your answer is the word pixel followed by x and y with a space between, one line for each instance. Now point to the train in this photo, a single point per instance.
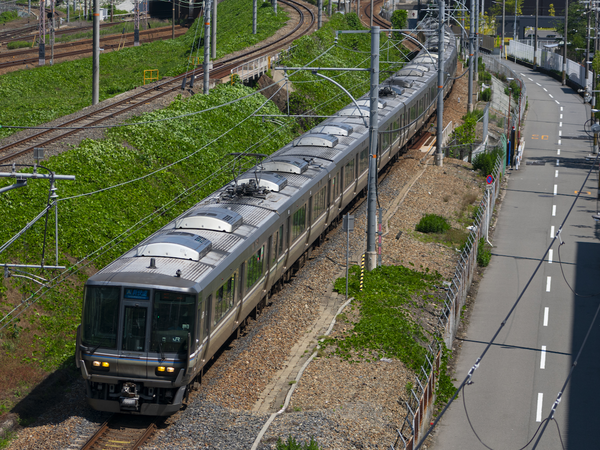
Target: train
pixel 155 316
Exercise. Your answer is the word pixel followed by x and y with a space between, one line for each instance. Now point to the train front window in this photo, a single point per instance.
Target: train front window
pixel 101 317
pixel 172 320
pixel 134 329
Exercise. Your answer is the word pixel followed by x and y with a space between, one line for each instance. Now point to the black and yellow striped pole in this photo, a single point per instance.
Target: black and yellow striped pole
pixel 362 272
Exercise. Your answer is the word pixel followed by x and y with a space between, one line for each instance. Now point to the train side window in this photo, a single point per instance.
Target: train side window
pixel 274 241
pixel 255 267
pixel 348 174
pixel 363 162
pixel 206 317
pixel 336 185
pixel 280 232
pixel 299 222
pixel 413 111
pixel 200 315
pixel 225 298
pixel 319 203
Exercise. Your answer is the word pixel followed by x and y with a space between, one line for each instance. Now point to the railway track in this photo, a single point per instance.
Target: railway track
pixel 122 432
pixel 47 137
pixel 150 35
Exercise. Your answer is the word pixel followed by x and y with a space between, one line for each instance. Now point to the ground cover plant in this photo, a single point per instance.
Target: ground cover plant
pixel 32 97
pixel 8 16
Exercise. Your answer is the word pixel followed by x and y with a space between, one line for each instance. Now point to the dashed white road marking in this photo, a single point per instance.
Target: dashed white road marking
pixel 550 255
pixel 558 103
pixel 538 414
pixel 546 310
pixel 548 283
pixel 553 214
pixel 529 79
pixel 550 95
pixel 561 108
pixel 543 358
pixel 561 116
pixel 559 141
pixel 556 173
pixel 545 90
pixel 559 132
pixel 552 230
pixel 560 124
pixel 557 162
pixel 538 84
pixel 555 189
pixel 558 151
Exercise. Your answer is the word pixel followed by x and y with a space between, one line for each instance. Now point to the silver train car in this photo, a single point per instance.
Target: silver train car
pixel 153 318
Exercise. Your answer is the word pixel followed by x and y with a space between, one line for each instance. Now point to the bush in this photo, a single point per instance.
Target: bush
pixel 484 162
pixel 484 254
pixel 292 444
pixel 432 223
pixel 8 16
pixel 486 95
pixel 18 44
pixel 485 77
pixel 399 21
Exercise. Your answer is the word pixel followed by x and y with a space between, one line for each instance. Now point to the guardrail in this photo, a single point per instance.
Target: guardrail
pixel 420 404
pixel 254 68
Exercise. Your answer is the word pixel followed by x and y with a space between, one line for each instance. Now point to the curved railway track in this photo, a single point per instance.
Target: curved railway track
pixel 151 35
pixel 122 432
pixel 44 138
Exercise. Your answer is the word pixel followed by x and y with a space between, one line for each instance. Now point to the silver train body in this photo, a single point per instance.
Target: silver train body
pixel 154 317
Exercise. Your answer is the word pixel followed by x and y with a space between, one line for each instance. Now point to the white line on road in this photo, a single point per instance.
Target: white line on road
pixel 559 133
pixel 557 162
pixel 552 231
pixel 529 79
pixel 559 142
pixel 560 124
pixel 546 309
pixel 561 116
pixel 538 84
pixel 550 253
pixel 561 108
pixel 555 189
pixel 550 95
pixel 556 173
pixel 548 282
pixel 545 90
pixel 553 214
pixel 538 414
pixel 558 151
pixel 557 102
pixel 543 358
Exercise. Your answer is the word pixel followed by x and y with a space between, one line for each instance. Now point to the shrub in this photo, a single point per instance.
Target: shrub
pixel 292 444
pixel 484 254
pixel 399 21
pixel 432 223
pixel 8 16
pixel 486 95
pixel 18 44
pixel 484 162
pixel 485 77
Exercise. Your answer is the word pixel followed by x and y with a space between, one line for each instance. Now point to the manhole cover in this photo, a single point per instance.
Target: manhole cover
pixel 535 163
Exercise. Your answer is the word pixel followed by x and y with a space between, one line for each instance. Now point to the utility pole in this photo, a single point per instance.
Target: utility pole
pixel 587 48
pixel 206 64
pixel 319 14
pixel 372 12
pixel 274 2
pixel 471 32
pixel 254 15
pixel 96 54
pixel 373 133
pixel 476 62
pixel 535 47
pixel 329 8
pixel 213 28
pixel 112 11
pixel 42 33
pixel 136 24
pixel 439 157
pixel 502 49
pixel 68 12
pixel 564 65
pixel 173 21
pixel 52 25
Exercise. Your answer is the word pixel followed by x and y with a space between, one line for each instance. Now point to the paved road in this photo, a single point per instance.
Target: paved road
pixel 520 377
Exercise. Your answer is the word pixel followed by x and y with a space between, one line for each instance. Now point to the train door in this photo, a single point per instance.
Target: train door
pixel 135 328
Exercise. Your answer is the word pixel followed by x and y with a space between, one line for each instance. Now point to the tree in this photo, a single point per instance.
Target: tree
pixel 399 21
pixel 509 8
pixel 577 31
pixel 465 133
pixel 551 10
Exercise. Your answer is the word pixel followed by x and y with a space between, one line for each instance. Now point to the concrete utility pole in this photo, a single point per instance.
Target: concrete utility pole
pixel 476 62
pixel 173 21
pixel 136 24
pixel 254 15
pixel 52 26
pixel 502 49
pixel 42 33
pixel 319 14
pixel 213 28
pixel 535 47
pixel 439 156
pixel 372 12
pixel 373 132
pixel 587 48
pixel 564 65
pixel 206 63
pixel 68 12
pixel 330 8
pixel 471 31
pixel 274 2
pixel 96 54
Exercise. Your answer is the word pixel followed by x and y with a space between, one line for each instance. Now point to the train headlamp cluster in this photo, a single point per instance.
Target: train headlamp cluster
pixel 162 370
pixel 101 365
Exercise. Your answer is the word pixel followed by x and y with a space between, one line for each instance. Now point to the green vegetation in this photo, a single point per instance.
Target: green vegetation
pixel 486 95
pixel 484 253
pixel 32 97
pixel 445 387
pixel 8 16
pixel 465 133
pixel 399 21
pixel 513 89
pixel 292 444
pixel 432 223
pixel 18 44
pixel 485 162
pixel 385 327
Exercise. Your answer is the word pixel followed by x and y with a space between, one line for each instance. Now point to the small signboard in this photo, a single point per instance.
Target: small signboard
pixel 490 181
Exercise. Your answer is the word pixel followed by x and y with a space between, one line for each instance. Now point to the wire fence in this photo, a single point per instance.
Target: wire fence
pixel 421 399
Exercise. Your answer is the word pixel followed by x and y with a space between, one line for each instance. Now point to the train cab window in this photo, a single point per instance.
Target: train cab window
pixel 101 317
pixel 134 329
pixel 349 174
pixel 299 222
pixel 363 161
pixel 255 268
pixel 319 203
pixel 172 319
pixel 225 298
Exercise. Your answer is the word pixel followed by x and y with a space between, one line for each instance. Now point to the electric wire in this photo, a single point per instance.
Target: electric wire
pixel 467 379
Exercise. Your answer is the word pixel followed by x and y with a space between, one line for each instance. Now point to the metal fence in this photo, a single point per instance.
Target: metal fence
pixel 8 6
pixel 420 403
pixel 255 68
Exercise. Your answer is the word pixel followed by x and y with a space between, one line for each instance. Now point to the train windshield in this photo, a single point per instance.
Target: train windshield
pixel 172 321
pixel 101 316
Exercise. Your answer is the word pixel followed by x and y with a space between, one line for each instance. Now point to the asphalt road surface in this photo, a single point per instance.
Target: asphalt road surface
pixel 520 377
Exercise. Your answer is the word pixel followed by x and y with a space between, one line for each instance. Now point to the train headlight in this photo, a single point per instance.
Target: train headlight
pixel 100 365
pixel 170 369
pixel 96 364
pixel 160 368
pixel 105 365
